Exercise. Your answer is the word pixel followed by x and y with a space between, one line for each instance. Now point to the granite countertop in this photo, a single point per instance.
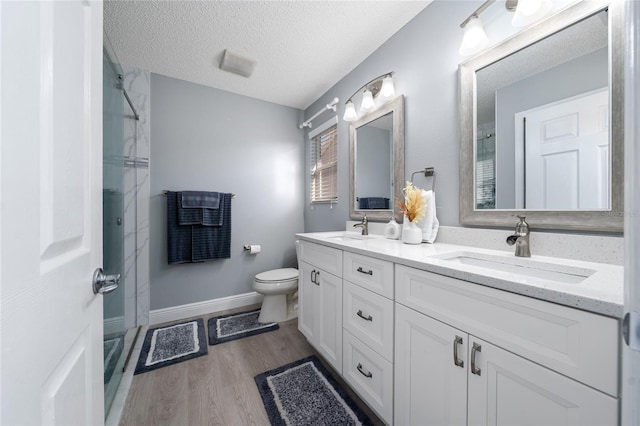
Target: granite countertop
pixel 601 292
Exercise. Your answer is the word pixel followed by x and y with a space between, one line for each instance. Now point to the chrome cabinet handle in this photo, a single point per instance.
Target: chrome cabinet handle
pixel 456 361
pixel 103 283
pixel 476 348
pixel 369 272
pixel 317 277
pixel 313 276
pixel 361 315
pixel 365 374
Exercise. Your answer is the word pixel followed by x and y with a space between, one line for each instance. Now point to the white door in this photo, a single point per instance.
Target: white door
pixel 51 215
pixel 329 318
pixel 430 388
pixel 566 153
pixel 505 389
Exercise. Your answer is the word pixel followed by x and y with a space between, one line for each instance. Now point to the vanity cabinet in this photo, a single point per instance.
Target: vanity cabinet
pixel 320 300
pixel 368 316
pixel 535 362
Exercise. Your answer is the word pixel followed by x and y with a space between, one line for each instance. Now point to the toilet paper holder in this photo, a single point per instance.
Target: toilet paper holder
pixel 252 248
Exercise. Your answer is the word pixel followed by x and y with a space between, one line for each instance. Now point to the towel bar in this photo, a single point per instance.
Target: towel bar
pixel 166 191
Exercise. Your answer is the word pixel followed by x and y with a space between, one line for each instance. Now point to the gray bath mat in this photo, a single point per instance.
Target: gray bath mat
pixel 304 393
pixel 236 326
pixel 172 344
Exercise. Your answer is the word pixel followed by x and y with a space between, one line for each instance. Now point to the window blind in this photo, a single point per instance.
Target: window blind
pixel 324 165
pixel 486 174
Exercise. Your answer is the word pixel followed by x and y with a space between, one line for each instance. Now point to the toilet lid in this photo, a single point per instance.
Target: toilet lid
pixel 285 274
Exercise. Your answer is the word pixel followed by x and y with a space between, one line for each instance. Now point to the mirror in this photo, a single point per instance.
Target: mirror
pixel 376 143
pixel 541 125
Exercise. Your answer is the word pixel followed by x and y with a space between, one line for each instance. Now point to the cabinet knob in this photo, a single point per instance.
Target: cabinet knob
pixel 476 348
pixel 456 361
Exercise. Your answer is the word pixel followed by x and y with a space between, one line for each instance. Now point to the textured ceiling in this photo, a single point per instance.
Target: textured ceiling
pixel 302 48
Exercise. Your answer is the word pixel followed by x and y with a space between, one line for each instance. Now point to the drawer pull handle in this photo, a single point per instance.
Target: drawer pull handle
pixel 365 374
pixel 369 272
pixel 361 315
pixel 456 361
pixel 317 281
pixel 313 276
pixel 476 348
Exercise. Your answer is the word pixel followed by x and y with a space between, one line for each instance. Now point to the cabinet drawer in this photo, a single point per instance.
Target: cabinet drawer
pixel 578 344
pixel 322 257
pixel 373 274
pixel 370 317
pixel 370 375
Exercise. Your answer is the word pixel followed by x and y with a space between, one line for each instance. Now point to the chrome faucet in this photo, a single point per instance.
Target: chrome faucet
pixel 521 238
pixel 364 225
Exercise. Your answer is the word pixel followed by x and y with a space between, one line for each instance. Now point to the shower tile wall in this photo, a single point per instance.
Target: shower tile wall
pixel 136 199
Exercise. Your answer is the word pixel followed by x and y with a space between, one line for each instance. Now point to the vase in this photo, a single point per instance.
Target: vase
pixel 411 233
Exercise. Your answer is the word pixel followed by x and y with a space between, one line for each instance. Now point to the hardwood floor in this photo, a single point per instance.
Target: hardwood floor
pixel 218 389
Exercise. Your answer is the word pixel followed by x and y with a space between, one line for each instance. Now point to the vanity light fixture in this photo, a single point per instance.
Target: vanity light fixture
pixel 530 11
pixel 377 92
pixel 526 13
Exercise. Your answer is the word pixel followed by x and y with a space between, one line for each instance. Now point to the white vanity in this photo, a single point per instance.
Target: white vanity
pixel 450 335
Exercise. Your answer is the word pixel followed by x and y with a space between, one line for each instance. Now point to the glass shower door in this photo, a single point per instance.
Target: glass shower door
pixel 113 226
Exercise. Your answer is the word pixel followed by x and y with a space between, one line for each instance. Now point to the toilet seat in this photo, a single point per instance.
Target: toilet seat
pixel 284 275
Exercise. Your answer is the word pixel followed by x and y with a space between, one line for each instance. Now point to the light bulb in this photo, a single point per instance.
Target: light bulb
pixel 474 38
pixel 367 101
pixel 530 11
pixel 350 112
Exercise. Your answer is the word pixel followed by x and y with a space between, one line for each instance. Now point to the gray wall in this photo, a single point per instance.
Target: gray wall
pixel 208 139
pixel 584 74
pixel 424 56
pixel 373 162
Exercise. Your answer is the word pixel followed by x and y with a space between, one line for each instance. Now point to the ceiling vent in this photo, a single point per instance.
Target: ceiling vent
pixel 237 64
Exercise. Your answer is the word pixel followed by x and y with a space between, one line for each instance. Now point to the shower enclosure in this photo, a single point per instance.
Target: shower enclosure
pixel 120 217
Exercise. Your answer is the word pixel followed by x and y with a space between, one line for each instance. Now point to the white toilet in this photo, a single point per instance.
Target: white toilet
pixel 280 290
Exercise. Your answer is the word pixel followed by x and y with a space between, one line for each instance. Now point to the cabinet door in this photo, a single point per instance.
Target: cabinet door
pixel 510 390
pixel 429 388
pixel 306 290
pixel 328 319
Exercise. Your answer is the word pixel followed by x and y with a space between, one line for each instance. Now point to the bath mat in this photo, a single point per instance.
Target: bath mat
pixel 112 349
pixel 236 326
pixel 304 393
pixel 172 344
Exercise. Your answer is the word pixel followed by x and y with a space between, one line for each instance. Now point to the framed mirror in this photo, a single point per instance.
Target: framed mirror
pixel 376 162
pixel 541 118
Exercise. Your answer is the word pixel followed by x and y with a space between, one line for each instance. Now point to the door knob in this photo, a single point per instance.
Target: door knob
pixel 104 284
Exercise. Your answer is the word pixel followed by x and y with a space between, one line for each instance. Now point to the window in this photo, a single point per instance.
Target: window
pixel 324 162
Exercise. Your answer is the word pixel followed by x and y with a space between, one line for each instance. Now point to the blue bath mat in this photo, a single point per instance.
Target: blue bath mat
pixel 172 344
pixel 236 326
pixel 306 394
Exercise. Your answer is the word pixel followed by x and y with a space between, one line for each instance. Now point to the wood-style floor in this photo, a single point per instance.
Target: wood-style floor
pixel 217 389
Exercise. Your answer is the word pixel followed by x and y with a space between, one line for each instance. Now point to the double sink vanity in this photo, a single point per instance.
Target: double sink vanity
pixel 446 334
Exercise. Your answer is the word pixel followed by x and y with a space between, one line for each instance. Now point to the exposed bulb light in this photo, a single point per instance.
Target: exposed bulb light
pixel 474 39
pixel 350 112
pixel 530 11
pixel 367 101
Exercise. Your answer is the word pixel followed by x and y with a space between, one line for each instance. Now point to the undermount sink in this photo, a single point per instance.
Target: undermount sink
pixel 345 237
pixel 520 266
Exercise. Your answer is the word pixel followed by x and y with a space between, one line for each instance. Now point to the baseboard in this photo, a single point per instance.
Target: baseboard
pixel 113 325
pixel 158 316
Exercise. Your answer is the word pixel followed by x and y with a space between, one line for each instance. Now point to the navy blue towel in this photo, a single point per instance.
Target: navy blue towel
pixel 197 243
pixel 373 203
pixel 200 199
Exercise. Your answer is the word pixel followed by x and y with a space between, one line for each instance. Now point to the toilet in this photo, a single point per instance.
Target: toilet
pixel 280 290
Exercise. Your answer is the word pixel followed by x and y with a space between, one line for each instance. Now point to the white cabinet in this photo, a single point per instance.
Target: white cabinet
pixel 320 302
pixel 430 389
pixel 509 390
pixel 446 375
